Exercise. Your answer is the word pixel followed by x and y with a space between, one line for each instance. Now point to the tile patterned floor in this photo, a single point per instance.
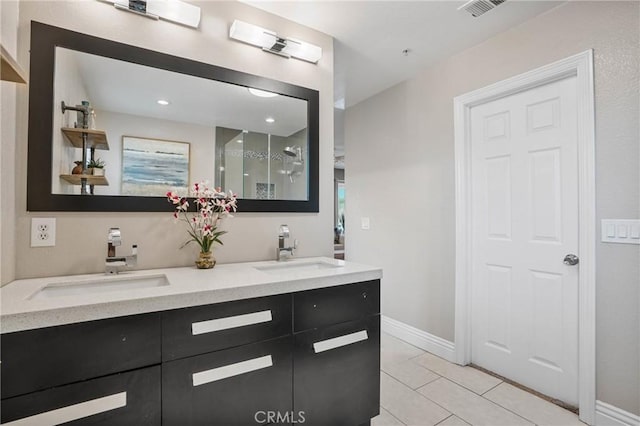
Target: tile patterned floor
pixel 421 389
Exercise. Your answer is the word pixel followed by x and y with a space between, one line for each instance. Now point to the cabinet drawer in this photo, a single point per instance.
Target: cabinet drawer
pixel 202 329
pixel 39 359
pixel 333 305
pixel 131 398
pixel 228 387
pixel 337 373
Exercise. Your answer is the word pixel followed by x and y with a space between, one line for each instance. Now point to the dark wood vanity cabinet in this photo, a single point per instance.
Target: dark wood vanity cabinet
pixel 224 363
pixel 209 328
pixel 311 356
pixel 228 387
pixel 131 398
pixel 337 354
pixel 97 372
pixel 334 305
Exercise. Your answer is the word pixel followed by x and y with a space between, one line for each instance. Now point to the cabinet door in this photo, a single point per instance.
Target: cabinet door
pixel 40 359
pixel 203 329
pixel 131 398
pixel 332 305
pixel 229 387
pixel 336 373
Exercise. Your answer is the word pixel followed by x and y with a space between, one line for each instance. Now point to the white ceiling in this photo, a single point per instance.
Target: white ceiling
pixel 371 35
pixel 128 88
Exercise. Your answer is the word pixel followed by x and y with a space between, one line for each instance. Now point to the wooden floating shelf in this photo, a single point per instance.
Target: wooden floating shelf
pixel 96 138
pixel 91 179
pixel 10 70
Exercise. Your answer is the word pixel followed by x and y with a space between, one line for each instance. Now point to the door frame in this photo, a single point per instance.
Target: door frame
pixel 581 67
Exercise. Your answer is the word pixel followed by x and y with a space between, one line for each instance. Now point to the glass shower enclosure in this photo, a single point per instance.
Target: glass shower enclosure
pixel 262 166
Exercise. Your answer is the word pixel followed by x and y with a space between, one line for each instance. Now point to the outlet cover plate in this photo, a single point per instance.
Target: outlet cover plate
pixel 43 231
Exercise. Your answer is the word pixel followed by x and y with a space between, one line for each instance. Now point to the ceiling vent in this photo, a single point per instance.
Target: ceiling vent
pixel 480 7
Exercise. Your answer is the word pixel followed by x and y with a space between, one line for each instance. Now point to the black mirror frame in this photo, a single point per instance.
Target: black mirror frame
pixel 44 40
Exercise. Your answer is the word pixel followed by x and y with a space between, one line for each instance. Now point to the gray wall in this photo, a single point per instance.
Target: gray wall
pixel 251 236
pixel 338 130
pixel 399 148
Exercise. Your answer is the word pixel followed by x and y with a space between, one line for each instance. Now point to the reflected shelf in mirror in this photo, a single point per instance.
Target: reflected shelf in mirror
pixel 91 179
pixel 96 138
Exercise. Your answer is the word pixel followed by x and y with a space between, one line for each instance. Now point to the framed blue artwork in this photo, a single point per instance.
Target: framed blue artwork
pixel 151 167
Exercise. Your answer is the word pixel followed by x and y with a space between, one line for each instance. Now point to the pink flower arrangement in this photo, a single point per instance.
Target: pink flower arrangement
pixel 213 205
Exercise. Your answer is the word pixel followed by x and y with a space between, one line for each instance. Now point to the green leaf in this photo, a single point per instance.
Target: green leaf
pixel 185 244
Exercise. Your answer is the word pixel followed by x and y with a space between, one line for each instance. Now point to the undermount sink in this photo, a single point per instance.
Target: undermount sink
pixel 99 285
pixel 295 267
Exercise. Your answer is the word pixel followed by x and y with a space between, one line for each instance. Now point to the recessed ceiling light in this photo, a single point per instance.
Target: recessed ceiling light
pixel 262 93
pixel 162 102
pixel 270 120
pixel 239 141
pixel 246 174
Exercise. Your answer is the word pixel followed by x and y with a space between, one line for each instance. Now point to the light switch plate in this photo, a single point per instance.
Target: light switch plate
pixel 365 223
pixel 43 232
pixel 623 231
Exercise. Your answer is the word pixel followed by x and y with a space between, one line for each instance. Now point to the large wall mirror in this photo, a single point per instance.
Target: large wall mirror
pixel 113 127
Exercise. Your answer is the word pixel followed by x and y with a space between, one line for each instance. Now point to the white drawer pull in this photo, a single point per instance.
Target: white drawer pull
pixel 231 370
pixel 74 412
pixel 336 342
pixel 230 322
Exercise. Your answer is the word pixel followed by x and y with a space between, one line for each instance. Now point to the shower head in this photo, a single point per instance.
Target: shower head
pixel 297 162
pixel 291 151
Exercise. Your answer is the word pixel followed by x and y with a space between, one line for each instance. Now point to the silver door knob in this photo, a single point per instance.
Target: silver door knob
pixel 571 259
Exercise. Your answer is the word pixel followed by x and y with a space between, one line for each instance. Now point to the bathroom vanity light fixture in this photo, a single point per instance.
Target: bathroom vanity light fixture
pixel 169 10
pixel 270 42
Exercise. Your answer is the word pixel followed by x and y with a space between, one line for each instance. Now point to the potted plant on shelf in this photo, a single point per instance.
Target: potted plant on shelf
pixel 212 206
pixel 96 167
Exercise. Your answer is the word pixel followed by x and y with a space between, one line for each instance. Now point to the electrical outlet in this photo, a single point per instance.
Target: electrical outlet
pixel 43 232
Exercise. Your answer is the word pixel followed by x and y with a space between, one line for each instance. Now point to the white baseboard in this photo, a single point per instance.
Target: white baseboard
pixel 421 339
pixel 609 415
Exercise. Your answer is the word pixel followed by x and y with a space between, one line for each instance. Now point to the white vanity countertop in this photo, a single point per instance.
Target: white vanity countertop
pixel 188 286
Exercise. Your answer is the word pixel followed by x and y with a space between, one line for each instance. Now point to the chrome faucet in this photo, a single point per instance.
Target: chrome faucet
pixel 114 264
pixel 285 252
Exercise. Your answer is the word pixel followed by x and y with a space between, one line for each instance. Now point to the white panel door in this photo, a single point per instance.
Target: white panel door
pixel 525 220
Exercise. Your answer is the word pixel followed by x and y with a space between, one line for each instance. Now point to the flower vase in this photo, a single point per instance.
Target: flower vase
pixel 205 260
